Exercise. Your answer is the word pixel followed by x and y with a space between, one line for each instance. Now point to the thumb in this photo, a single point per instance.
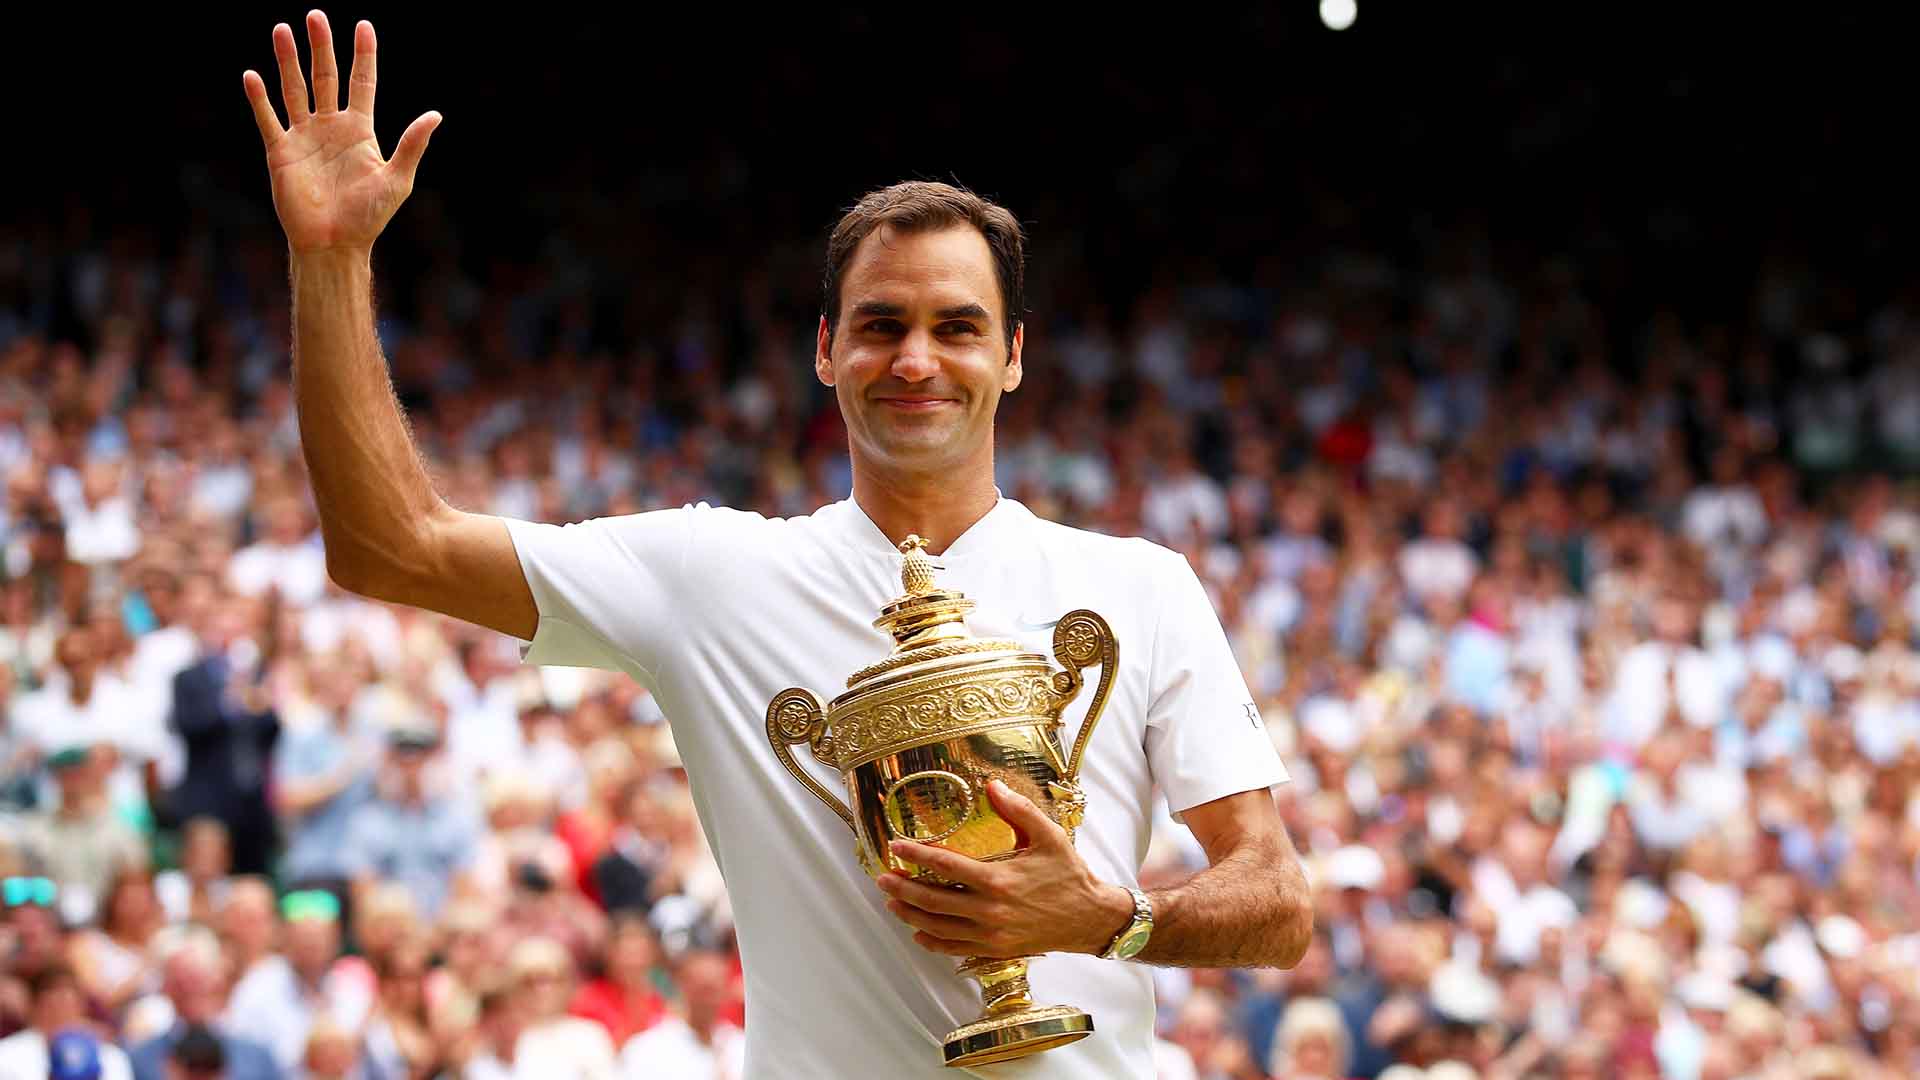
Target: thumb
pixel 1031 822
pixel 413 144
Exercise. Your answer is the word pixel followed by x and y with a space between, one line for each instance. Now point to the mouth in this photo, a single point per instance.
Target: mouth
pixel 906 404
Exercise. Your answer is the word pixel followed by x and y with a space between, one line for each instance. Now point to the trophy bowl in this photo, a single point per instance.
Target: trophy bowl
pixel 918 736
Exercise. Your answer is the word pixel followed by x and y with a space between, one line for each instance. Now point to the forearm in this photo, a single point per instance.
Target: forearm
pixel 369 486
pixel 1249 909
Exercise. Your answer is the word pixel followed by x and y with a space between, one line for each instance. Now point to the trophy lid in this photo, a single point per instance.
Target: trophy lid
pixel 926 621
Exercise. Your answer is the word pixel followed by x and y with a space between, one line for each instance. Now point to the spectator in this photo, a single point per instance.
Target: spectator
pixel 83 844
pixel 281 999
pixel 323 773
pixel 195 986
pixel 1313 1043
pixel 553 1042
pixel 408 832
pixel 116 962
pixel 57 1036
pixel 695 1039
pixel 626 999
pixel 198 888
pixel 224 713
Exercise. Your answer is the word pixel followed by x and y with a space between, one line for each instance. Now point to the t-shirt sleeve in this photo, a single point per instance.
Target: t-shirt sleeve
pixel 604 588
pixel 1205 738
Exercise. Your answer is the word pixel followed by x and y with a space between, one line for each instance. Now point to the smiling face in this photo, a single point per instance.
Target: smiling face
pixel 919 356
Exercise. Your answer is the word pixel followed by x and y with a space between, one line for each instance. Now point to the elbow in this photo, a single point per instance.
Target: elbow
pixel 349 574
pixel 363 577
pixel 1295 933
pixel 1293 919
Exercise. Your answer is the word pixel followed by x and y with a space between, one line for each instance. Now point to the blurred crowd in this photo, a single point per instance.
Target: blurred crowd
pixel 1588 640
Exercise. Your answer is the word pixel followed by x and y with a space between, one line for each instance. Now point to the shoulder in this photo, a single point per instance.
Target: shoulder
pixel 666 537
pixel 247 1051
pixel 1135 554
pixel 153 1049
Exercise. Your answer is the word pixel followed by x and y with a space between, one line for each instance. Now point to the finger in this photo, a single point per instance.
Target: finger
pixel 945 927
pixel 1031 822
pixel 931 898
pixel 413 143
pixel 293 83
pixel 326 70
pixel 360 84
pixel 954 867
pixel 263 115
pixel 943 946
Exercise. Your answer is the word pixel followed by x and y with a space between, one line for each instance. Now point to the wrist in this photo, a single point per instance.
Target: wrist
pixel 334 258
pixel 1113 914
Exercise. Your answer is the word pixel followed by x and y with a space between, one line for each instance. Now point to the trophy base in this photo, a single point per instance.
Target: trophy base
pixel 1015 1035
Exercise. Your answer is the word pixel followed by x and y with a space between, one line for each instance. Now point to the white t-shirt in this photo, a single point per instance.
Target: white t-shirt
pixel 23 1056
pixel 670 1048
pixel 716 611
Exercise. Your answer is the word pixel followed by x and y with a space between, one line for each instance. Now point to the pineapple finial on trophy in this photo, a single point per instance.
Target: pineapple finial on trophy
pixel 916 573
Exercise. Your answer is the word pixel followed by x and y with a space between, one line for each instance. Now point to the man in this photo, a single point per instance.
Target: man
pixel 85 705
pixel 195 984
pixel 694 1039
pixel 281 999
pixel 410 832
pixel 716 611
pixel 82 844
pixel 223 715
pixel 58 1006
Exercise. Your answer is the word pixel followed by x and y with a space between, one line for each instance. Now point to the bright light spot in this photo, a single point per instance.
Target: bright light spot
pixel 1338 14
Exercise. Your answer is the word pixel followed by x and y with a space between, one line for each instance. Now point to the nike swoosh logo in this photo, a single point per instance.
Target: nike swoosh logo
pixel 1029 624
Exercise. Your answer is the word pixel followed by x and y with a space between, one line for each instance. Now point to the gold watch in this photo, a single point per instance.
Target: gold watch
pixel 1133 937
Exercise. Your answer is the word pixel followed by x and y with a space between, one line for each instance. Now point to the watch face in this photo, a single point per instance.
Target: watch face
pixel 1131 945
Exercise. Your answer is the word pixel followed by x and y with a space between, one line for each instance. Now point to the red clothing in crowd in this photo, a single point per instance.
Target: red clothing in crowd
pixel 623 1013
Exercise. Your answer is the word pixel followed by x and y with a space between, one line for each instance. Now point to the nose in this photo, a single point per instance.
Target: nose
pixel 914 362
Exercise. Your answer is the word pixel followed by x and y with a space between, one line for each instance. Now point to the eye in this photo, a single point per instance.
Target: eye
pixel 883 326
pixel 959 328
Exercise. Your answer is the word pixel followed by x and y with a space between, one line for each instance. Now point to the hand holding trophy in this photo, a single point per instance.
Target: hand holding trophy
pixel 920 735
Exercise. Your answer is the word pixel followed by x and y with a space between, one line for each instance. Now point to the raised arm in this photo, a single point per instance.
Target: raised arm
pixel 388 534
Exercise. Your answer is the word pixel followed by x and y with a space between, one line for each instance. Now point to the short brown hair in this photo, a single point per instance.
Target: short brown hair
pixel 923 206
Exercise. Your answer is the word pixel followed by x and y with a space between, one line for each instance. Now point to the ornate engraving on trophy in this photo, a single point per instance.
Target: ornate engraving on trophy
pixel 916 738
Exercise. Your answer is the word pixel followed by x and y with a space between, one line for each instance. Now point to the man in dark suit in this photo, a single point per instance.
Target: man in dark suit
pixel 222 712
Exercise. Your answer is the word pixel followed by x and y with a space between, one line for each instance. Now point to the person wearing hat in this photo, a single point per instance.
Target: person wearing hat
pixel 56 1045
pixel 410 832
pixel 82 843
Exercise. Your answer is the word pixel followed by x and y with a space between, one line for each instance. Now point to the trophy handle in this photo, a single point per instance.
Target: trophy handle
pixel 1082 639
pixel 795 716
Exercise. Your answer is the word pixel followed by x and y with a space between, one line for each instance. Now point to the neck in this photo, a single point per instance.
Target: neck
pixel 937 506
pixel 702 1025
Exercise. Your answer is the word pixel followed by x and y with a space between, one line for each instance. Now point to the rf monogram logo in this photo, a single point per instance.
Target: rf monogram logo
pixel 1253 714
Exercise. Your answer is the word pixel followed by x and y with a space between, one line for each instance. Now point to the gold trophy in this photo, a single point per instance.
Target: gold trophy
pixel 918 736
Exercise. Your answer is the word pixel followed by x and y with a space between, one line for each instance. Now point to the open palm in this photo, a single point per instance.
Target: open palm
pixel 332 187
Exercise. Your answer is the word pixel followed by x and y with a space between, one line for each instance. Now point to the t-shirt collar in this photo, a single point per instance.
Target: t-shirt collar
pixel 978 536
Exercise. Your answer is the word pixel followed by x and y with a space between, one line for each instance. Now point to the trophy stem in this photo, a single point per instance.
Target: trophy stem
pixel 1012 1027
pixel 1003 983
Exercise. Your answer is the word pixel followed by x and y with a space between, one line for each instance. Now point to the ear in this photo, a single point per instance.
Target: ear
pixel 1010 378
pixel 823 354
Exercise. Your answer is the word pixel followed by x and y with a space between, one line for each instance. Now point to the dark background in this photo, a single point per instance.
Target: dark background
pixel 1669 156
